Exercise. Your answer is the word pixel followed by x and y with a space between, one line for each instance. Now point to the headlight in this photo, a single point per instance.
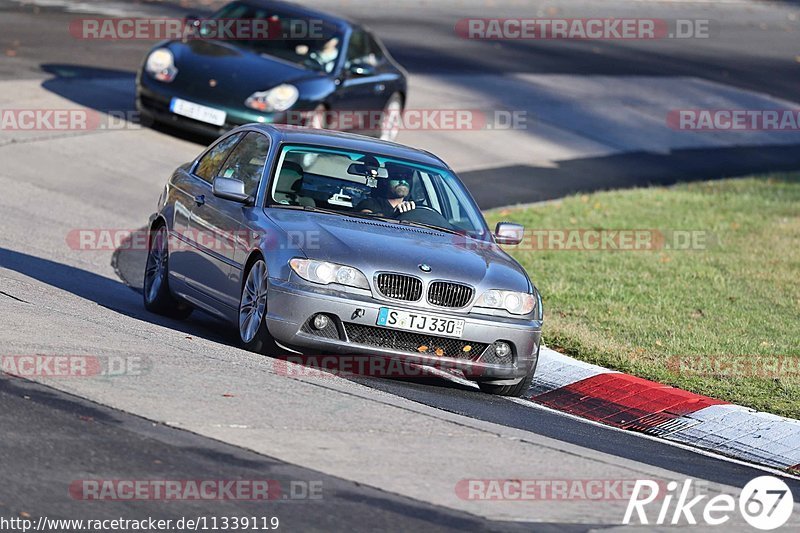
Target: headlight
pixel 327 273
pixel 279 98
pixel 516 303
pixel 161 65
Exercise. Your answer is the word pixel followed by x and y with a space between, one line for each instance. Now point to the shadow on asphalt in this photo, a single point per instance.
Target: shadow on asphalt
pixel 107 91
pixel 114 295
pixel 510 57
pixel 113 91
pixel 500 186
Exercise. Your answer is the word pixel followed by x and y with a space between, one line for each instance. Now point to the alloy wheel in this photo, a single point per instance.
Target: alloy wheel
pixel 254 302
pixel 156 268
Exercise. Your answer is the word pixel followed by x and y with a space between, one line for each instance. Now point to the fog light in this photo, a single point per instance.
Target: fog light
pixel 502 349
pixel 321 322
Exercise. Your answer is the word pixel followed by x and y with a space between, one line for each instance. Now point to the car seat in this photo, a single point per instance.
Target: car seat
pixel 290 185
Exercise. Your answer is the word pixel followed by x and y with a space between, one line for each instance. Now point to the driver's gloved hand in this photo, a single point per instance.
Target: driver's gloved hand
pixel 405 207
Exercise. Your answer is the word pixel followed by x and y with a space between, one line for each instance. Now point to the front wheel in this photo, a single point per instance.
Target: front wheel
pixel 515 390
pixel 252 309
pixel 157 297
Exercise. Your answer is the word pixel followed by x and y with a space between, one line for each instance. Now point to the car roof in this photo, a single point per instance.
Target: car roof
pixel 347 141
pixel 296 9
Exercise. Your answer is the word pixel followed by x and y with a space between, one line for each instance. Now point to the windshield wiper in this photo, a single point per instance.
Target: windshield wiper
pixel 430 226
pixel 355 214
pixel 334 212
pixel 368 216
pixel 296 207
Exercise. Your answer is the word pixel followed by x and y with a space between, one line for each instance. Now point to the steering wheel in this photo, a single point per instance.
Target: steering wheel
pixel 417 205
pixel 313 61
pixel 425 215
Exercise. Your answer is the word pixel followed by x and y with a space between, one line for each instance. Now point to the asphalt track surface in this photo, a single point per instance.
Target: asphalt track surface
pixel 51 437
pixel 59 428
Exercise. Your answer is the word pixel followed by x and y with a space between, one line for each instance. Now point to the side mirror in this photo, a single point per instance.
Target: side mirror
pixel 230 189
pixel 508 233
pixel 361 70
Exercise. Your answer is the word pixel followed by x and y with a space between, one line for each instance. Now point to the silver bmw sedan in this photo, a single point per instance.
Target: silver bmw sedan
pixel 318 242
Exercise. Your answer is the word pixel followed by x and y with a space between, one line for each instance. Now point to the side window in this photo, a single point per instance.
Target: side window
pixel 246 162
pixel 454 199
pixel 375 50
pixel 430 191
pixel 358 49
pixel 210 163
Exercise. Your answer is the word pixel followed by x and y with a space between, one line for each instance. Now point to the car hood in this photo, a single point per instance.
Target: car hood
pixel 373 245
pixel 236 71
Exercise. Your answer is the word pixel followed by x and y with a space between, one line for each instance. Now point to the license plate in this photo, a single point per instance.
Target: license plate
pixel 197 111
pixel 420 322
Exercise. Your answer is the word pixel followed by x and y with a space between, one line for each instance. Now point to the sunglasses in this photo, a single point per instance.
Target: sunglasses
pixel 396 183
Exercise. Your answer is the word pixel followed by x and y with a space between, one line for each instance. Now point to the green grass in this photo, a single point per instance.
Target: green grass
pixel 737 300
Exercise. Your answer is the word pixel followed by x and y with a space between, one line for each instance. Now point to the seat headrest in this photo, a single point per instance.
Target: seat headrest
pixel 398 171
pixel 288 179
pixel 292 165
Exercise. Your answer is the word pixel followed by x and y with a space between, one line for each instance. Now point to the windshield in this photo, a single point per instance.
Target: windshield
pixel 371 185
pixel 311 43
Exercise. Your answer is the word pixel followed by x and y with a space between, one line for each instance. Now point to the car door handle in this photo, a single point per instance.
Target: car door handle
pixel 200 199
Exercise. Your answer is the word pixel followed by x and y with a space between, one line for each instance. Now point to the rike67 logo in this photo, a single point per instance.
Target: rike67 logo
pixel 766 503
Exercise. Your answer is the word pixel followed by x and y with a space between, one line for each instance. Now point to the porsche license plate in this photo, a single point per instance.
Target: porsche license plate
pixel 197 111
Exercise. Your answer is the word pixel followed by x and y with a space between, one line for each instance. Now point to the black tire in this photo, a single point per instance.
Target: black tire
pixel 512 390
pixel 155 291
pixel 253 303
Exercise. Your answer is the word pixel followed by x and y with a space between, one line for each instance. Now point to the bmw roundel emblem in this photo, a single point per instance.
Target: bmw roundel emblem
pixel 424 267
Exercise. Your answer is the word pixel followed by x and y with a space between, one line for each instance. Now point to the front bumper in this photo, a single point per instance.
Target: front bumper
pixel 153 103
pixel 291 305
